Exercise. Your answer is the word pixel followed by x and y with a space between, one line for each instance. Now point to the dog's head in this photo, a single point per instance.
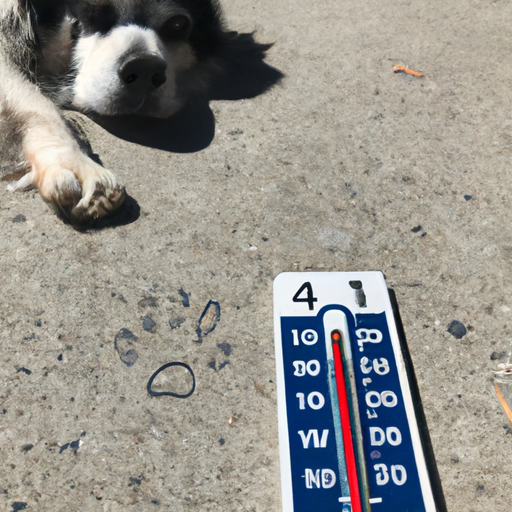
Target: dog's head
pixel 132 56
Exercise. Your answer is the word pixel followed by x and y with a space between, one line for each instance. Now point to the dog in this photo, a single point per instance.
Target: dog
pixel 101 58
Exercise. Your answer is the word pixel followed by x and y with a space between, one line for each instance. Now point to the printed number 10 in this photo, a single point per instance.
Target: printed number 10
pixel 308 337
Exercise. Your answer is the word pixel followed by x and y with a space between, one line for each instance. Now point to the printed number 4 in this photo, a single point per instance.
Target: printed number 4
pixel 309 298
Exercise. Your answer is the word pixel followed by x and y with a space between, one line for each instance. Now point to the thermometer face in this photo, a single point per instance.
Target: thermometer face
pixel 348 429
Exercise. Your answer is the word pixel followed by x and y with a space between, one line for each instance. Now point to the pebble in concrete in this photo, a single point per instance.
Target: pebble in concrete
pixel 148 324
pixel 457 329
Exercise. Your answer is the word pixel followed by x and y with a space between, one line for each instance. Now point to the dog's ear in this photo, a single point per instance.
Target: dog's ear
pixel 243 71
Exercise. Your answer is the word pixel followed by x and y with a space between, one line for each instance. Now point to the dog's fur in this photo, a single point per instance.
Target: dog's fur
pixel 100 57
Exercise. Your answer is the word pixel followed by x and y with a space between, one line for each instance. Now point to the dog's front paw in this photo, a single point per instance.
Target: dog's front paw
pixel 100 193
pixel 76 187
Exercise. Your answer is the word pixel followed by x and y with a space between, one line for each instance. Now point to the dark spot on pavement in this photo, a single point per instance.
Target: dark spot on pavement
pixel 420 230
pixel 148 302
pixel 148 324
pixel 226 348
pixel 457 329
pixel 185 297
pixel 123 343
pixel 176 322
pixel 74 445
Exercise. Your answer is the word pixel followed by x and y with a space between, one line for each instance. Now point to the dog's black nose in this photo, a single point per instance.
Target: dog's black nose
pixel 142 73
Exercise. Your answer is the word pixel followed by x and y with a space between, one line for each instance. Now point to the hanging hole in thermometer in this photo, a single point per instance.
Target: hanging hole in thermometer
pixel 357 286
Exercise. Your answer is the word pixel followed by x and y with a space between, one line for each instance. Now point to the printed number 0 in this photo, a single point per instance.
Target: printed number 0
pixel 310 299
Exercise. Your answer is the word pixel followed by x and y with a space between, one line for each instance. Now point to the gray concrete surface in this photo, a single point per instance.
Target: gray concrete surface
pixel 331 170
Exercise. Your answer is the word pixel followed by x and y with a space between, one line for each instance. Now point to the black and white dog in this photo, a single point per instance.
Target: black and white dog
pixel 100 57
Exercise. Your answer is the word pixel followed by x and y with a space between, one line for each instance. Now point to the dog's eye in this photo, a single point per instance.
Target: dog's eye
pixel 177 27
pixel 178 23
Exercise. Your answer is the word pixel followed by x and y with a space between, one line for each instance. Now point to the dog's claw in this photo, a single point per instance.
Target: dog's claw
pixel 99 205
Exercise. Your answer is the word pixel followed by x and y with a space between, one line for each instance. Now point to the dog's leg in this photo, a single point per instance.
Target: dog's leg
pixel 76 186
